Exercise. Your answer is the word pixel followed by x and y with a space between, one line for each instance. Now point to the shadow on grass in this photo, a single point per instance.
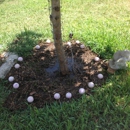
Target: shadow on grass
pixel 105 52
pixel 24 42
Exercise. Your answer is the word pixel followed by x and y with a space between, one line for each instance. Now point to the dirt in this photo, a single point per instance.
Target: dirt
pixel 39 76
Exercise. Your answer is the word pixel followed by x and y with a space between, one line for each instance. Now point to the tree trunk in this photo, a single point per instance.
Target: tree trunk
pixel 55 18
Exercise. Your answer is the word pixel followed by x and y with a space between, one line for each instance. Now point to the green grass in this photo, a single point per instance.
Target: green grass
pixel 101 24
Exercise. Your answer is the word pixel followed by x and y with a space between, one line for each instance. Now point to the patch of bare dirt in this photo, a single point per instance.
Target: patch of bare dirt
pixel 39 76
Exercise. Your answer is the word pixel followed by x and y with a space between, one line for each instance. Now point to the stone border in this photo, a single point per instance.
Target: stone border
pixel 8 64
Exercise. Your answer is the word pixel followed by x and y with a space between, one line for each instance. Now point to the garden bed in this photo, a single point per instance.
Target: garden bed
pixel 39 76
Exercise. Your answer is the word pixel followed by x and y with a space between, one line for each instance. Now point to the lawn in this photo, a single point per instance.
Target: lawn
pixel 104 26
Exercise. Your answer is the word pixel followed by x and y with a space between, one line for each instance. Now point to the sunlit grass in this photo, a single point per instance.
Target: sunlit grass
pixel 105 22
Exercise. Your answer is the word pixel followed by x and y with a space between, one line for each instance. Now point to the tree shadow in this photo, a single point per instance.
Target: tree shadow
pixel 24 42
pixel 108 51
pixel 104 51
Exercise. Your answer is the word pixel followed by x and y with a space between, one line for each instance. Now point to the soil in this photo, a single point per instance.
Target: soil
pixel 39 76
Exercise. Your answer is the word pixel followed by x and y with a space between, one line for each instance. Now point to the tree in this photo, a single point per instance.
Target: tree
pixel 55 18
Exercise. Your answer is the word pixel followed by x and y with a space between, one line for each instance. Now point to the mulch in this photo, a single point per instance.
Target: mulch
pixel 39 76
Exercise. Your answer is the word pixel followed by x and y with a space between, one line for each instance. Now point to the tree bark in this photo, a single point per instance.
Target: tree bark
pixel 55 18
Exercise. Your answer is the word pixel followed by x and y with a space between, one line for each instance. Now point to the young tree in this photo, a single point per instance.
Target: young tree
pixel 55 18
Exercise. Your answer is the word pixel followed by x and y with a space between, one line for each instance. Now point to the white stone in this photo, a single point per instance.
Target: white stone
pixel 82 46
pixel 69 43
pixel 48 41
pixel 77 41
pixel 11 79
pixel 17 66
pixel 90 84
pixel 100 76
pixel 30 99
pixel 7 65
pixel 37 46
pixel 16 85
pixel 20 59
pixel 96 58
pixel 68 95
pixel 57 96
pixel 81 90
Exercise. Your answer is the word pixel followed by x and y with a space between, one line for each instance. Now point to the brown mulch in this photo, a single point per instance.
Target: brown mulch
pixel 39 76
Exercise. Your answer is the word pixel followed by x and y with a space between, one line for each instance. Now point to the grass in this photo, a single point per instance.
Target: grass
pixel 101 24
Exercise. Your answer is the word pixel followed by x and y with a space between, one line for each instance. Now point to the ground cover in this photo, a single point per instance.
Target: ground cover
pixel 39 75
